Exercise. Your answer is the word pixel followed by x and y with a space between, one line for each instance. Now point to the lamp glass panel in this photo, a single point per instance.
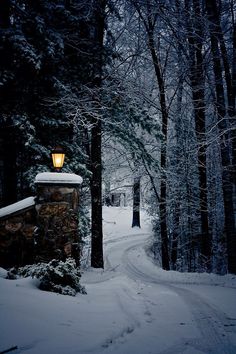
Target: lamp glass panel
pixel 58 160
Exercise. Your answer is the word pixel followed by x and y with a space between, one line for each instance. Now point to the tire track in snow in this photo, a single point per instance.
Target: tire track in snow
pixel 132 321
pixel 210 321
pixel 125 295
pixel 112 270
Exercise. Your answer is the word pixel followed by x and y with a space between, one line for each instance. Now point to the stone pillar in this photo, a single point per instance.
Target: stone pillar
pixel 57 216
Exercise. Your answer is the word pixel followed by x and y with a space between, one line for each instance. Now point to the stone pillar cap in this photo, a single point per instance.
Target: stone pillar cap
pixel 57 178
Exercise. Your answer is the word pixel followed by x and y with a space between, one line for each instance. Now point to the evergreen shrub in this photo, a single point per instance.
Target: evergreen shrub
pixel 56 276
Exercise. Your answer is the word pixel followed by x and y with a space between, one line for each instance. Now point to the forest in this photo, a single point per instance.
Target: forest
pixel 146 84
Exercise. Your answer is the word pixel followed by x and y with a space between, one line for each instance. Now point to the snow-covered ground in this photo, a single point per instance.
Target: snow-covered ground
pixel 132 307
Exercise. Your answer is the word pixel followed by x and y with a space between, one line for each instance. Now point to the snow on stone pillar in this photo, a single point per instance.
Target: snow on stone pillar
pixel 57 216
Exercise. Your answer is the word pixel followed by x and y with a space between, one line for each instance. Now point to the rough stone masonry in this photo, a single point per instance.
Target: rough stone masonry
pixel 48 228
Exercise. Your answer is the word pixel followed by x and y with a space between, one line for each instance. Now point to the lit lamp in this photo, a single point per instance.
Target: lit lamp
pixel 58 156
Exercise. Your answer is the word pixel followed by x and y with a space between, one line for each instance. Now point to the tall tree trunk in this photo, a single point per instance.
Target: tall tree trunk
pixel 234 64
pixel 175 237
pixel 96 142
pixel 198 95
pixel 9 154
pixel 136 202
pixel 230 230
pixel 7 130
pixel 164 113
pixel 5 14
pixel 234 123
pixel 96 197
pixel 216 29
pixel 149 22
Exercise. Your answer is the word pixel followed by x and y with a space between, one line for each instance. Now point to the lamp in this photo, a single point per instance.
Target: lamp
pixel 58 156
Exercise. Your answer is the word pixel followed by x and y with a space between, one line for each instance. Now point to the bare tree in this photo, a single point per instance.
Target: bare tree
pixel 219 53
pixel 197 79
pixel 96 140
pixel 149 16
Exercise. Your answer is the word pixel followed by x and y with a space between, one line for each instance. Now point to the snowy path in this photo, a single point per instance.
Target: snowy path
pixel 132 306
pixel 169 314
pixel 192 323
pixel 211 321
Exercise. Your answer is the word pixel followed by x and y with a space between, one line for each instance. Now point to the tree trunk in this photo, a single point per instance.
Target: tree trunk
pixel 149 23
pixel 216 30
pixel 96 197
pixel 9 154
pixel 198 95
pixel 7 134
pixel 234 64
pixel 164 113
pixel 198 83
pixel 136 202
pixel 5 14
pixel 175 237
pixel 96 141
pixel 107 199
pixel 230 230
pixel 233 123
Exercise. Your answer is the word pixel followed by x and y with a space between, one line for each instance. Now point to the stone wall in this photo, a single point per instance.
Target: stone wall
pixel 42 228
pixel 17 238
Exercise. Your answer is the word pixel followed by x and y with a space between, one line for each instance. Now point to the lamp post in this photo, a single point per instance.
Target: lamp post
pixel 58 156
